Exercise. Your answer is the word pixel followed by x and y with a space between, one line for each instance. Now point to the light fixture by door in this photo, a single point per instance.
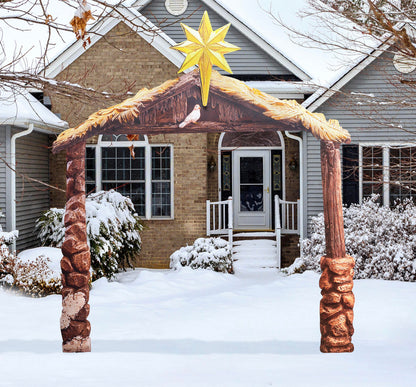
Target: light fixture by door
pixel 293 164
pixel 211 164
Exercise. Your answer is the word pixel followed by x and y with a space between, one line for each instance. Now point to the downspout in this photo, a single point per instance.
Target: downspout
pixel 13 176
pixel 299 139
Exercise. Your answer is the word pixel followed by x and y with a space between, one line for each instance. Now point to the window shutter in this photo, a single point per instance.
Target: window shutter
pixel 350 180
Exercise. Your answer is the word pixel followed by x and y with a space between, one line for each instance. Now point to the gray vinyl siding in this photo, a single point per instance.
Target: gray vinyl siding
pixel 3 154
pixel 251 59
pixel 378 78
pixel 32 159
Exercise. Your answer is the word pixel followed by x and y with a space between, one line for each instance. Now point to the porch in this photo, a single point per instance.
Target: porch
pixel 287 220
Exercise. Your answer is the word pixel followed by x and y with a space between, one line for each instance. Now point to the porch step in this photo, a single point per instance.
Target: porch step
pixel 254 234
pixel 254 255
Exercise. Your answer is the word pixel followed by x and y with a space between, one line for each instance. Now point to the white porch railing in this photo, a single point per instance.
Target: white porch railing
pixel 287 220
pixel 288 215
pixel 220 219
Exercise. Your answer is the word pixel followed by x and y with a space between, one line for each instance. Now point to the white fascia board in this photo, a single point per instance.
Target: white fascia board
pixel 273 87
pixel 250 34
pixel 158 39
pixel 38 126
pixel 140 3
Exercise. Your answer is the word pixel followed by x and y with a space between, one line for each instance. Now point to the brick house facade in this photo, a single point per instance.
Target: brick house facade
pixel 122 57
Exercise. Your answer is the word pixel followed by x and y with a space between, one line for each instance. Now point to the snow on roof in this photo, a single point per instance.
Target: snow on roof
pixel 20 108
pixel 320 63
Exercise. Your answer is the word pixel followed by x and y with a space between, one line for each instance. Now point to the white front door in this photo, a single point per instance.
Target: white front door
pixel 251 189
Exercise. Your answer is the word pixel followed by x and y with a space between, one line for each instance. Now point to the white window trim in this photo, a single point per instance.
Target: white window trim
pixel 386 166
pixel 148 171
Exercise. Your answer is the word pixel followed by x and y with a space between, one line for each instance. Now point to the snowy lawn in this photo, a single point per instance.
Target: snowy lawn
pixel 200 328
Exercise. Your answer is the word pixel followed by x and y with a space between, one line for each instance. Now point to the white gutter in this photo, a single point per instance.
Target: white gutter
pixel 13 176
pixel 299 139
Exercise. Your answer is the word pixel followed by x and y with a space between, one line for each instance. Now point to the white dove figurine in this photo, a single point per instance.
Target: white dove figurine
pixel 193 116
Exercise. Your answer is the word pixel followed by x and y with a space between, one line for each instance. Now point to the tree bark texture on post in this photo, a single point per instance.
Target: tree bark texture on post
pixel 75 264
pixel 336 282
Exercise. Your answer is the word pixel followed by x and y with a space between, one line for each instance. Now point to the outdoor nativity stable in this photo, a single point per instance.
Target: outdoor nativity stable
pixel 174 174
pixel 203 101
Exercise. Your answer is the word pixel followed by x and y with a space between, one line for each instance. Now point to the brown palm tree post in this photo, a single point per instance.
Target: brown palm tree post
pixel 75 264
pixel 336 308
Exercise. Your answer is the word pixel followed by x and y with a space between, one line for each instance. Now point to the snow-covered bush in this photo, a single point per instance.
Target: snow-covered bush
pixel 382 241
pixel 113 229
pixel 35 272
pixel 32 276
pixel 206 253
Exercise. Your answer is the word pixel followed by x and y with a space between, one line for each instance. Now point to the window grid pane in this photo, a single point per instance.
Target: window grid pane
pixel 373 171
pixel 124 174
pixel 402 174
pixel 161 182
pixel 90 183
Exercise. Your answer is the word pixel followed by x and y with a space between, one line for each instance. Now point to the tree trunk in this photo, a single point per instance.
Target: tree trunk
pixel 336 308
pixel 75 264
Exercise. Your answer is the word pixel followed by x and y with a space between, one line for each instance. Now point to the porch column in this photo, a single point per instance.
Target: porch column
pixel 75 264
pixel 336 308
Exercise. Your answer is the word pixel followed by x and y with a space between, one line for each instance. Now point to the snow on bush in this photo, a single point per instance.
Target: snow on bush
pixel 113 231
pixel 206 253
pixel 382 241
pixel 35 272
pixel 30 274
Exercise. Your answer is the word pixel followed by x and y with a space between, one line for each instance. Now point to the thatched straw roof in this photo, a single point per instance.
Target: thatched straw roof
pixel 282 112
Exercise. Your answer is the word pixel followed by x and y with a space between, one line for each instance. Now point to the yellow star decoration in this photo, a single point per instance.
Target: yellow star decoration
pixel 205 48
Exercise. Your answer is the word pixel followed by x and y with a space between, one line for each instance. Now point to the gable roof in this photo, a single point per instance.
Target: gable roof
pixel 133 112
pixel 150 33
pixel 323 94
pixel 19 108
pixel 130 10
pixel 220 7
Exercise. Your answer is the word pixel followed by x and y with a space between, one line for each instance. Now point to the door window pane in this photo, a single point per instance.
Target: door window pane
pixel 251 184
pixel 251 170
pixel 251 198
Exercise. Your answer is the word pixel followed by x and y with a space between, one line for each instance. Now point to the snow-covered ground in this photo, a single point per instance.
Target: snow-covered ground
pixel 200 328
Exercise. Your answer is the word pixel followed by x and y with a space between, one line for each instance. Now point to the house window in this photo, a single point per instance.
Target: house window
pixel 386 170
pixel 402 173
pixel 161 178
pixel 146 179
pixel 119 171
pixel 372 179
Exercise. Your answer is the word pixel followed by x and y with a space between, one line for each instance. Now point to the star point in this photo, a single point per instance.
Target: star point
pixel 205 48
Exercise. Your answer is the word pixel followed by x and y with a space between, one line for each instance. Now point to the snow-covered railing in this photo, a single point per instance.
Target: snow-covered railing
pixel 288 215
pixel 220 218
